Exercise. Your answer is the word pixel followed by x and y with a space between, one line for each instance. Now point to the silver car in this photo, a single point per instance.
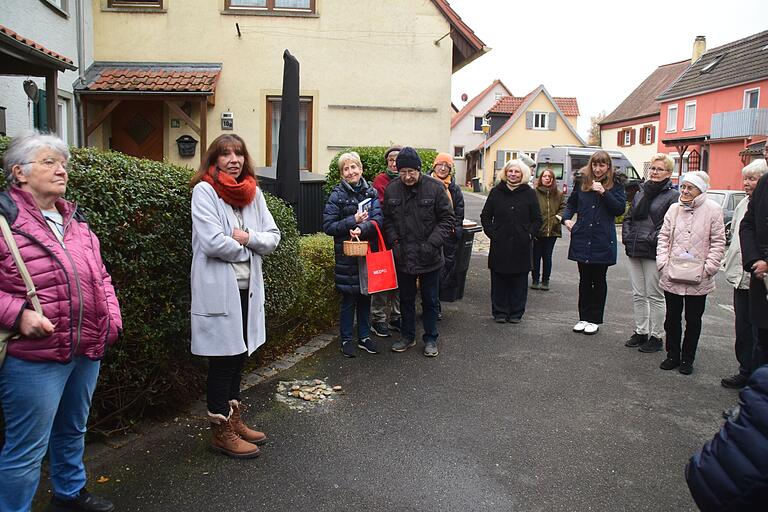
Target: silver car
pixel 727 199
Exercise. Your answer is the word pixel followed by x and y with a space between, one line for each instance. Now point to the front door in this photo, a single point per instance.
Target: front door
pixel 137 129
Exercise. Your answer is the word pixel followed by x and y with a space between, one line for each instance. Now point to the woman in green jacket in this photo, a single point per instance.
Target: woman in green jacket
pixel 551 204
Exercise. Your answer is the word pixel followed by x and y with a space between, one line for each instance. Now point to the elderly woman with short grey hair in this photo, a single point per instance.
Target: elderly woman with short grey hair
pixel 51 368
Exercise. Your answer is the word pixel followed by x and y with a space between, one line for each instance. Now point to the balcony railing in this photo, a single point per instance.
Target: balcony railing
pixel 740 123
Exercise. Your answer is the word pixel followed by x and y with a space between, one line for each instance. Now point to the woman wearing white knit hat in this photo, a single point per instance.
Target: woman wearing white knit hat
pixel 690 248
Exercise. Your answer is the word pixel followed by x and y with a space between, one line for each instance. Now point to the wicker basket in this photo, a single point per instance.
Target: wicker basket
pixel 355 247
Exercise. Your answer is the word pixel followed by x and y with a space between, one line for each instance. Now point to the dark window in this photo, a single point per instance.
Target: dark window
pixel 478 123
pixel 274 104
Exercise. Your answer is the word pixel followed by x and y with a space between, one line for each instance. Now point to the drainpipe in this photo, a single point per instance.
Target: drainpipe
pixel 80 70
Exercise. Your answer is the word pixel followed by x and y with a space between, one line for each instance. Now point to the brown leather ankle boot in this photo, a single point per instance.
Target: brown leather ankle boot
pixel 246 433
pixel 225 440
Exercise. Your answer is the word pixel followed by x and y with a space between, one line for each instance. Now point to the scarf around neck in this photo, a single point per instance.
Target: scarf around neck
pixel 650 190
pixel 446 183
pixel 235 193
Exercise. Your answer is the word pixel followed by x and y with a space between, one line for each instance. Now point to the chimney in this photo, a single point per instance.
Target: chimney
pixel 699 47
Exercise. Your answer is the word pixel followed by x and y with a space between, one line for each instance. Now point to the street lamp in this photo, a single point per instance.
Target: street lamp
pixel 486 128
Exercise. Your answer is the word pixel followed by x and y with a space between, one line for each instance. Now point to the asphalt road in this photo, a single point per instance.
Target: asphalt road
pixel 528 417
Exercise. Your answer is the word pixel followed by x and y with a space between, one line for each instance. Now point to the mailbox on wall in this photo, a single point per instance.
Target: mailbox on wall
pixel 227 121
pixel 187 145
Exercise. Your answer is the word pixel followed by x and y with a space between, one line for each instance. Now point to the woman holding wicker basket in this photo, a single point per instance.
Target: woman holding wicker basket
pixel 349 214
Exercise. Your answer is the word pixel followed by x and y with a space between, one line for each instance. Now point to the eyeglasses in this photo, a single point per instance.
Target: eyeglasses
pixel 442 166
pixel 49 163
pixel 409 172
pixel 657 169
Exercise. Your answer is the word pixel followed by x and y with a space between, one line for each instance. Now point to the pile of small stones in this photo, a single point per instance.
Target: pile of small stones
pixel 302 394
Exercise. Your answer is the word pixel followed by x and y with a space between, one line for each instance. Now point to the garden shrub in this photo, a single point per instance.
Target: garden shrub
pixel 372 158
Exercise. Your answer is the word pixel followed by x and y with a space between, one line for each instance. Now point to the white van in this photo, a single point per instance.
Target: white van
pixel 565 161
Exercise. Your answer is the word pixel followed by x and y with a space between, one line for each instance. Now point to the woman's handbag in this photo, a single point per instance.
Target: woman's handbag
pixel 683 270
pixel 7 335
pixel 380 267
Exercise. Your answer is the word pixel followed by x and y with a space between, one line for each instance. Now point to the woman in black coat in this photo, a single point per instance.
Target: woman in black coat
pixel 342 219
pixel 511 219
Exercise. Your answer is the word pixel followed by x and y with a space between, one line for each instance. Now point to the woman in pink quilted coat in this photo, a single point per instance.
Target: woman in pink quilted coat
pixel 693 230
pixel 50 371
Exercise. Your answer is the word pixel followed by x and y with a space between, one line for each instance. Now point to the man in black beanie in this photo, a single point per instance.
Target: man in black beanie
pixel 418 218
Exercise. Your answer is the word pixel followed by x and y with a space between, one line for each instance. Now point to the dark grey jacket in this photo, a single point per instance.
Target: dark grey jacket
pixel 640 236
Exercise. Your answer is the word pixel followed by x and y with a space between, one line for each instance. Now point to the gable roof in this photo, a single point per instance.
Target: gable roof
pixel 642 101
pixel 739 62
pixel 18 44
pixel 521 111
pixel 151 77
pixel 510 104
pixel 466 45
pixel 466 109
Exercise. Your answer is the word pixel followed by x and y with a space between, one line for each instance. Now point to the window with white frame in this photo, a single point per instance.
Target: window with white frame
pixel 510 155
pixel 458 151
pixel 672 118
pixel 689 119
pixel 540 120
pixel 530 154
pixel 478 124
pixel 751 98
pixel 627 137
pixel 301 6
pixel 648 135
pixel 497 96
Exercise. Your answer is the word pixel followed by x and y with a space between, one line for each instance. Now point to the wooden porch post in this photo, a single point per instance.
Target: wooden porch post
pixel 203 127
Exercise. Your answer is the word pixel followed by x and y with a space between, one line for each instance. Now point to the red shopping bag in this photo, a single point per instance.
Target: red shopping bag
pixel 381 267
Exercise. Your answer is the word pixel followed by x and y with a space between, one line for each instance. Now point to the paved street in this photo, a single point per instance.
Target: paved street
pixel 527 417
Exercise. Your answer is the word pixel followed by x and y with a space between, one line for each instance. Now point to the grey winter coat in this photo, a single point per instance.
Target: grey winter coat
pixel 217 324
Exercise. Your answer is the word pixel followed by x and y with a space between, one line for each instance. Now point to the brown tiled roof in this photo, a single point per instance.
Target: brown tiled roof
pixel 466 45
pixel 739 62
pixel 458 24
pixel 642 101
pixel 510 104
pixel 151 77
pixel 461 114
pixel 11 36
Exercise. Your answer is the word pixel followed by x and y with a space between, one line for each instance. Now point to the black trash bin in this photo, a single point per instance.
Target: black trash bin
pixel 455 289
pixel 476 184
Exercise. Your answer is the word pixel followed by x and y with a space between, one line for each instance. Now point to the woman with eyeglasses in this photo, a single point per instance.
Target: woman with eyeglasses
pixel 639 233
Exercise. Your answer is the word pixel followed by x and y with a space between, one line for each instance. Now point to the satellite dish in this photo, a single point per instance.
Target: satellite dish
pixel 31 89
pixel 464 97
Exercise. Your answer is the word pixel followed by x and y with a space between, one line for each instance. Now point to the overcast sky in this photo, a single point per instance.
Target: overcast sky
pixel 597 51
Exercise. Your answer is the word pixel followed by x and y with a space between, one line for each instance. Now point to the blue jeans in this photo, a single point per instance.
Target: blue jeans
pixel 430 304
pixel 542 250
pixel 46 407
pixel 349 303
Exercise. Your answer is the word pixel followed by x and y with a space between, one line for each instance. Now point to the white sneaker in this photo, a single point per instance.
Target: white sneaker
pixel 591 328
pixel 579 327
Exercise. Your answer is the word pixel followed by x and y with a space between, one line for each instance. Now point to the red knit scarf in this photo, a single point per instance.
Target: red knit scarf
pixel 235 193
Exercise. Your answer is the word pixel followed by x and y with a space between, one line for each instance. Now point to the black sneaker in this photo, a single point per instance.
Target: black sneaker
pixel 394 325
pixel 368 345
pixel 545 286
pixel 653 344
pixel 686 367
pixel 737 381
pixel 380 329
pixel 430 349
pixel 85 502
pixel 670 363
pixel 348 348
pixel 499 319
pixel 636 340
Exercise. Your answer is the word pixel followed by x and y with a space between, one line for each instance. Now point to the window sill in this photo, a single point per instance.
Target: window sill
pixel 58 10
pixel 670 131
pixel 281 14
pixel 689 129
pixel 143 10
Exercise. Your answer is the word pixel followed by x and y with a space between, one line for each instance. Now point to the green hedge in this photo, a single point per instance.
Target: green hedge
pixel 140 209
pixel 372 158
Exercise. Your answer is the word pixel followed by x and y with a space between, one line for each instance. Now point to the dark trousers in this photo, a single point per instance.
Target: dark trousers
pixel 430 304
pixel 352 303
pixel 542 250
pixel 225 372
pixel 593 289
pixel 509 293
pixel 694 310
pixel 760 355
pixel 746 334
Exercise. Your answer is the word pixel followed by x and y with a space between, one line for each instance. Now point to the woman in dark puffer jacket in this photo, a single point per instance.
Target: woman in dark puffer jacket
pixel 341 219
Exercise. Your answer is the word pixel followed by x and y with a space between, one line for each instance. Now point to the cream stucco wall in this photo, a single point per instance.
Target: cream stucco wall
pixel 638 154
pixel 519 138
pixel 372 69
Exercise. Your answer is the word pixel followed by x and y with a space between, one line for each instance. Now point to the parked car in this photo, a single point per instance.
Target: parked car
pixel 727 199
pixel 566 161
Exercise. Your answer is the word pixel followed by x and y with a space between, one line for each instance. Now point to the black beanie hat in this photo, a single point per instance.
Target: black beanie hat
pixel 408 157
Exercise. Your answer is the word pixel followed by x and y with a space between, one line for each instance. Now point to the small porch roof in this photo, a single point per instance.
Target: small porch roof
pixel 151 78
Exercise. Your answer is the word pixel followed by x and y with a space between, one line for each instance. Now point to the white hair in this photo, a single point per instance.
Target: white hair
pixel 520 165
pixel 755 168
pixel 25 146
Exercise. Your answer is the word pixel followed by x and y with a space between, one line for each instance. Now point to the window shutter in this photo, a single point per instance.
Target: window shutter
pixel 653 134
pixel 529 120
pixel 552 120
pixel 642 135
pixel 40 113
pixel 632 136
pixel 499 163
pixel 620 138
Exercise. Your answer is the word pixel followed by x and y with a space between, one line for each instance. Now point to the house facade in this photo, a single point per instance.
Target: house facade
pixel 381 80
pixel 466 131
pixel 633 127
pixel 45 44
pixel 523 126
pixel 717 109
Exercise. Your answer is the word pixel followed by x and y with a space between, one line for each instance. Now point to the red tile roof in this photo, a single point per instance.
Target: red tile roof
pixel 29 43
pixel 510 104
pixel 152 77
pixel 461 114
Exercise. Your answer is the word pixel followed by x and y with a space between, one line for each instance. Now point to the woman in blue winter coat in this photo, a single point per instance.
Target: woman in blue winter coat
pixel 596 202
pixel 343 218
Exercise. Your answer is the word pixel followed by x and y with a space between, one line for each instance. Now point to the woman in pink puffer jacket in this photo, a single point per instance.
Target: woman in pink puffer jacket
pixel 50 372
pixel 693 229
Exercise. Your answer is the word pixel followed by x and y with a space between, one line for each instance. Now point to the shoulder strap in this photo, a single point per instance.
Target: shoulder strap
pixel 9 240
